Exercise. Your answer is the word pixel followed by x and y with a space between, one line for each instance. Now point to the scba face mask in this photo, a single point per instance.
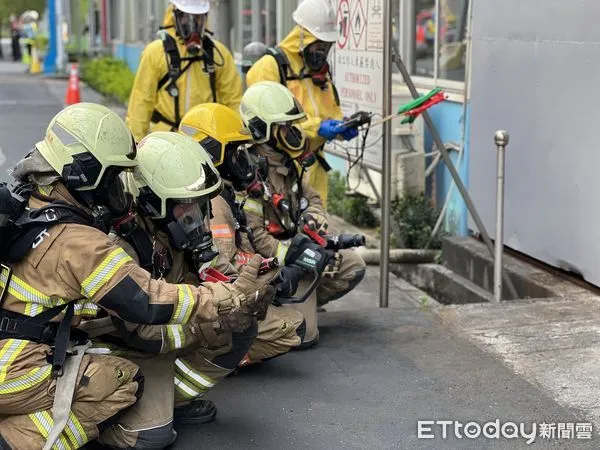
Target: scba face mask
pixel 189 228
pixel 190 28
pixel 239 166
pixel 290 138
pixel 315 55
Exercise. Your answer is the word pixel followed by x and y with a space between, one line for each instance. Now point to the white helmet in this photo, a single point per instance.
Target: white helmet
pixel 318 17
pixel 192 6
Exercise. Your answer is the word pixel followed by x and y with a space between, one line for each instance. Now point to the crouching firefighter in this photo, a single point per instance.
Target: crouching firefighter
pixel 60 266
pixel 171 238
pixel 184 67
pixel 219 130
pixel 280 205
pixel 299 62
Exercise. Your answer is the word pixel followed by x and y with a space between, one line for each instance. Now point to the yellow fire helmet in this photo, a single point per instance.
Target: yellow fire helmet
pixel 216 127
pixel 271 112
pixel 221 132
pixel 172 168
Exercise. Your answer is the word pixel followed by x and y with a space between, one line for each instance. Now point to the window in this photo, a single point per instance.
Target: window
pixel 440 45
pixel 453 45
pixel 425 37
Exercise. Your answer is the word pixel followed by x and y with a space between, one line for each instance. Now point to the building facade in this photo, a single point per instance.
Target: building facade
pixel 434 50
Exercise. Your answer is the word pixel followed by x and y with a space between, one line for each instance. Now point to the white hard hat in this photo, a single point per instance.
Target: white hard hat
pixel 192 6
pixel 318 17
pixel 34 15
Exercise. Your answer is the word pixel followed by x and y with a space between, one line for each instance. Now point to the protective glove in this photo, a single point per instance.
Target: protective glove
pixel 251 296
pixel 306 254
pixel 315 222
pixel 333 267
pixel 330 128
pixel 288 279
pixel 349 133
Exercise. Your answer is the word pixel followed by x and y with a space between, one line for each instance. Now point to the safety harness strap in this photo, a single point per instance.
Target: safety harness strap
pixel 323 162
pixel 174 72
pixel 39 329
pixel 239 216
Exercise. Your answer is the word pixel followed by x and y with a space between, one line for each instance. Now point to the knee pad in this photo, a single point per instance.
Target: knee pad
pixel 358 277
pixel 301 330
pixel 158 438
pixel 3 444
pixel 139 378
pixel 240 344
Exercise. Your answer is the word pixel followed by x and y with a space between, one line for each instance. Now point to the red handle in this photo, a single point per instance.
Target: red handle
pixel 315 236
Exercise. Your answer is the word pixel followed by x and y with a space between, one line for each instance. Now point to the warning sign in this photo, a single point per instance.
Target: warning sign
pixel 343 22
pixel 375 30
pixel 359 24
pixel 357 65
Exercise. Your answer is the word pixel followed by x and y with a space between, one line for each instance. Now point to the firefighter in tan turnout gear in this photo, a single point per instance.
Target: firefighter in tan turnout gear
pixel 61 267
pixel 219 130
pixel 170 237
pixel 282 205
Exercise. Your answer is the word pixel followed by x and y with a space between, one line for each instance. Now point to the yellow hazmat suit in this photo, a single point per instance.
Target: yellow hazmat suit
pixel 318 104
pixel 193 85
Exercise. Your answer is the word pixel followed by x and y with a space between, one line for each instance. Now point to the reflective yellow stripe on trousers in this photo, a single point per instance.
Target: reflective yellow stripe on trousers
pixel 72 437
pixel 29 380
pixel 9 352
pixel 189 383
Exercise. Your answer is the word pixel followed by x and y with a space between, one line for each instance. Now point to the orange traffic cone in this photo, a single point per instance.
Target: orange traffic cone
pixel 73 96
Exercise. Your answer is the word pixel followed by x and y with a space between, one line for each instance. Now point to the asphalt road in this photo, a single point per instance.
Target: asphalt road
pixel 373 375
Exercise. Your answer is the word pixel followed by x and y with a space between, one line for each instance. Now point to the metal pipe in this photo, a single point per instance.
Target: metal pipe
pixel 501 139
pixel 459 184
pixel 372 257
pixel 386 159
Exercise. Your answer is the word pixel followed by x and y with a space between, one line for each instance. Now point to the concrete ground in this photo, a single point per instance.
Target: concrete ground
pixel 373 375
pixel 553 343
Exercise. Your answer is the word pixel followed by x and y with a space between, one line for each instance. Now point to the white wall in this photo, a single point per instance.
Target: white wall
pixel 536 66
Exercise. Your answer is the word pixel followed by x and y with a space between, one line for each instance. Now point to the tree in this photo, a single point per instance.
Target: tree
pixel 17 7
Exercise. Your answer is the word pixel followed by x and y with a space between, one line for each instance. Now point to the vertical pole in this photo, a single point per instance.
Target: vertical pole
pixel 386 160
pixel 92 27
pixel 501 139
pixel 256 21
pixel 50 60
pixel 60 38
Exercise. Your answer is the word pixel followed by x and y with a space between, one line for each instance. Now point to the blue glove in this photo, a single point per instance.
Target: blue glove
pixel 330 128
pixel 349 133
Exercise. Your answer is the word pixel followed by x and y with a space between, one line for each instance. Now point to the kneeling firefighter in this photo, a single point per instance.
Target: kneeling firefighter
pixel 170 237
pixel 219 130
pixel 281 207
pixel 184 67
pixel 59 266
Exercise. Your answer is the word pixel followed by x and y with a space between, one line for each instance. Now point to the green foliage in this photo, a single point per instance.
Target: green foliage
pixel 414 219
pixel 354 210
pixel 41 42
pixel 109 76
pixel 18 7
